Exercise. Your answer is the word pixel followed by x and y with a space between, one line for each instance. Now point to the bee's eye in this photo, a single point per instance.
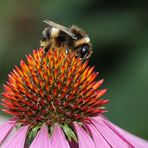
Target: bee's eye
pixel 84 51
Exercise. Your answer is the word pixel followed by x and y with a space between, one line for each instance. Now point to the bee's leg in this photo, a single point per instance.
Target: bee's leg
pixel 46 49
pixel 84 58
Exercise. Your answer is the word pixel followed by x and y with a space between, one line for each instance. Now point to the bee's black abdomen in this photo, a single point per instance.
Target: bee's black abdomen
pixel 61 38
pixel 64 39
pixel 46 33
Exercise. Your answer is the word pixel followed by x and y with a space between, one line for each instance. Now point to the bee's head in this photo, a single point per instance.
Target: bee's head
pixel 82 43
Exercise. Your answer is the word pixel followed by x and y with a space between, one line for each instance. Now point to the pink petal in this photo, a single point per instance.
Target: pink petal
pixel 111 137
pixel 97 137
pixel 84 140
pixel 58 139
pixel 42 139
pixel 5 129
pixel 136 141
pixel 18 139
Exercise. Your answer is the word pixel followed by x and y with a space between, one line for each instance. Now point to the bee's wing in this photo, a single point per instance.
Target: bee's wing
pixel 60 27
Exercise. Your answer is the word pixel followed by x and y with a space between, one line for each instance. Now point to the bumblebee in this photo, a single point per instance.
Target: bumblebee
pixel 74 38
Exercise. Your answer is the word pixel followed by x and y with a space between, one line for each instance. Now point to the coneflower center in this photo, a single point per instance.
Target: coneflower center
pixel 56 88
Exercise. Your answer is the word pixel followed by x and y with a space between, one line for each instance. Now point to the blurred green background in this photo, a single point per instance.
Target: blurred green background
pixel 119 33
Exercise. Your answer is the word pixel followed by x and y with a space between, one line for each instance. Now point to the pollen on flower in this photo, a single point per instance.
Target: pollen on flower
pixel 53 88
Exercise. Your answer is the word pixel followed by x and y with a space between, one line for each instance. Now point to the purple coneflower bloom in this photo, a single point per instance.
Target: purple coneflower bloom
pixel 56 103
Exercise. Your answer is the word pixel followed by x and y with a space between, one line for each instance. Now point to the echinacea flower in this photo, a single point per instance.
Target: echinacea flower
pixel 57 103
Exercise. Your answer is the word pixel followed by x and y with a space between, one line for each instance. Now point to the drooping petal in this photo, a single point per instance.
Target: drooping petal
pixel 58 139
pixel 99 140
pixel 111 137
pixel 5 129
pixel 18 139
pixel 84 140
pixel 42 139
pixel 136 141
